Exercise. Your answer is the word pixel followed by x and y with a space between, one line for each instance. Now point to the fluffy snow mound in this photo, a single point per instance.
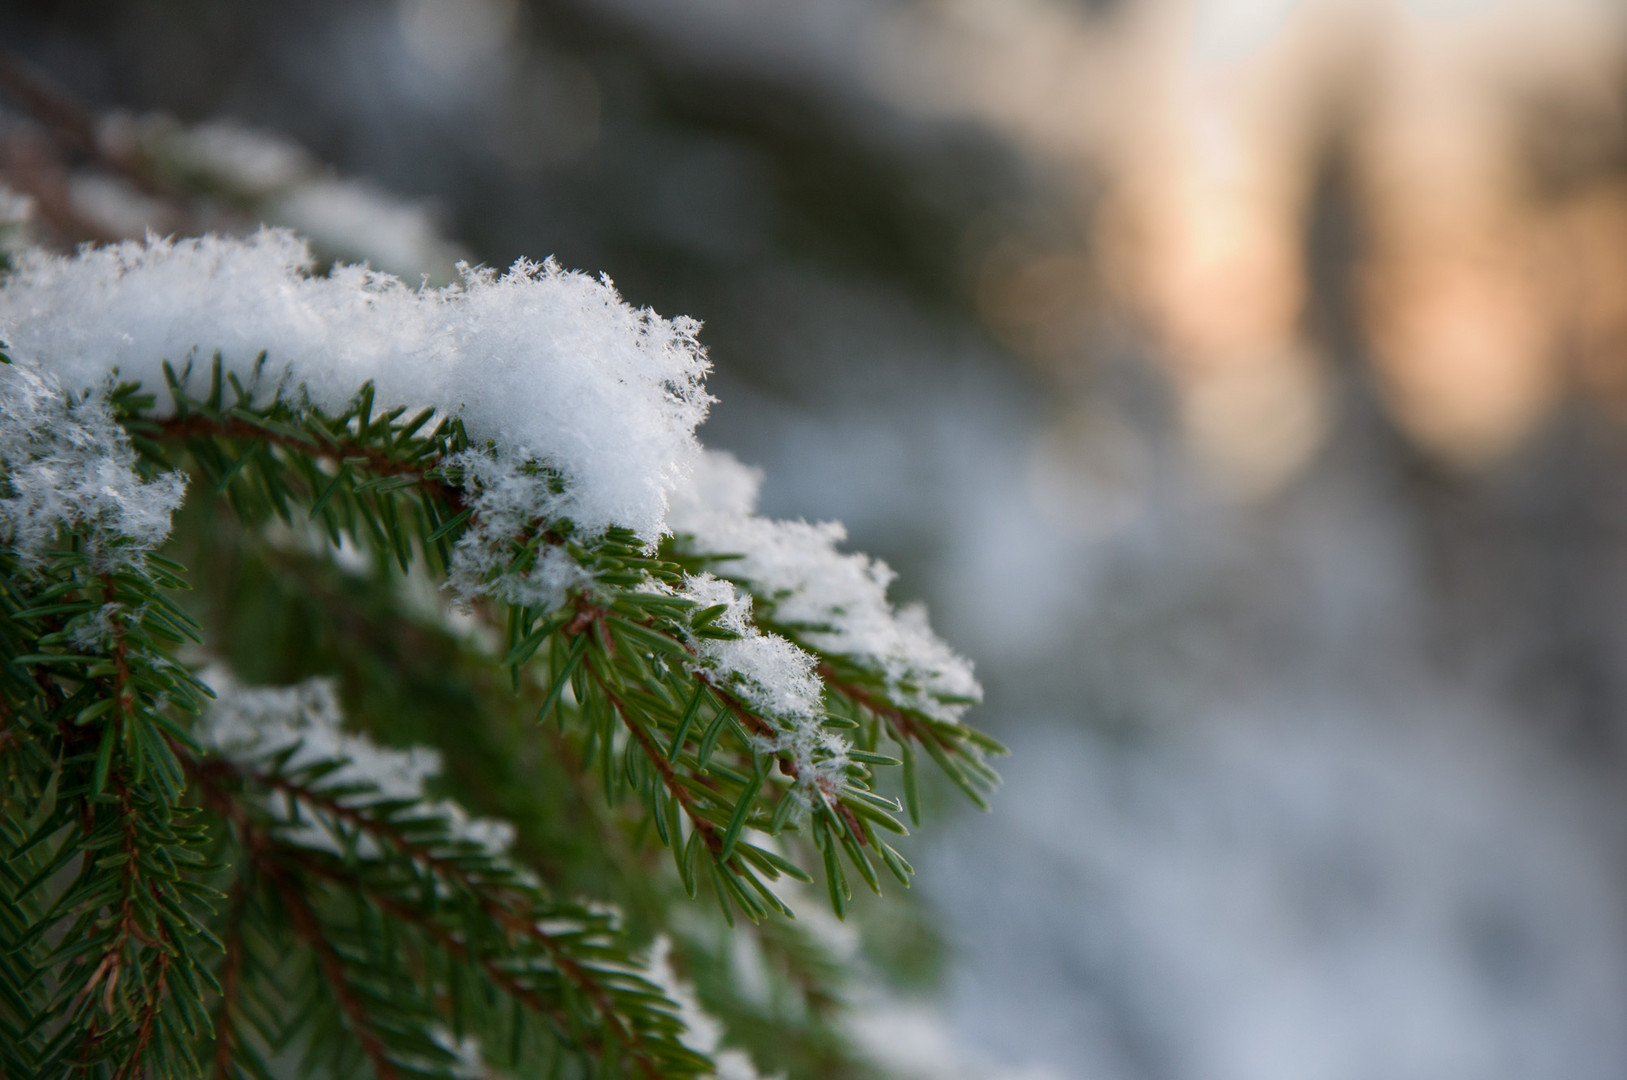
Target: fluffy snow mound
pixel 546 363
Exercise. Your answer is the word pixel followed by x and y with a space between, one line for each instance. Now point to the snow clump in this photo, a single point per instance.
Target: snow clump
pixel 777 680
pixel 251 725
pixel 833 602
pixel 65 463
pixel 581 409
pixel 508 496
pixel 544 364
pixel 765 671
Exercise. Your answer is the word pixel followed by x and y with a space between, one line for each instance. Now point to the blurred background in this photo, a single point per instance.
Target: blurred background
pixel 1241 382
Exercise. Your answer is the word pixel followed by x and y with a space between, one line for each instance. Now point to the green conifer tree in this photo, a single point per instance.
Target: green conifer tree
pixel 364 647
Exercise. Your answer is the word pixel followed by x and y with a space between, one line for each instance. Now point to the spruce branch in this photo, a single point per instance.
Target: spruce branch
pixel 743 722
pixel 313 935
pixel 408 860
pixel 215 434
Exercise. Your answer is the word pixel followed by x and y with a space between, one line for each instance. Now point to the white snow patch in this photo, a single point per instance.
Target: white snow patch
pixel 775 679
pixel 540 361
pixel 508 497
pixel 766 671
pixel 833 602
pixel 470 1063
pixel 249 725
pixel 703 1033
pixel 66 463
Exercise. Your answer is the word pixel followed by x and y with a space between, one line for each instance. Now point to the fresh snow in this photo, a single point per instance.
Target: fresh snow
pixel 777 681
pixel 66 463
pixel 581 408
pixel 251 725
pixel 547 364
pixel 832 601
pixel 769 673
pixel 507 498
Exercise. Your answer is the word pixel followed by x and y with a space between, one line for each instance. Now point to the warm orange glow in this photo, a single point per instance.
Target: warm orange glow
pixel 1201 128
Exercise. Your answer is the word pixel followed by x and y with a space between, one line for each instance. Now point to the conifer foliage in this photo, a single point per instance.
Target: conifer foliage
pixel 203 876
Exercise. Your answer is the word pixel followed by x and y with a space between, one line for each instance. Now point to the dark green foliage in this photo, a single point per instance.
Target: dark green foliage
pixel 163 910
pixel 104 901
pixel 411 936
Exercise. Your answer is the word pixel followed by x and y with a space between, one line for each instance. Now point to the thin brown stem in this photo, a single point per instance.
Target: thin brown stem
pixel 442 935
pixel 906 724
pixel 306 924
pixel 144 1033
pixel 196 425
pixel 309 929
pixel 113 960
pixel 669 775
pixel 231 974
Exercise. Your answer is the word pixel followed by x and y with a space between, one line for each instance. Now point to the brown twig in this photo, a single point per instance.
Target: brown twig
pixel 195 425
pixel 306 924
pixel 231 973
pixel 669 775
pixel 905 723
pixel 309 928
pixel 443 936
pixel 113 963
pixel 112 958
pixel 155 1002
